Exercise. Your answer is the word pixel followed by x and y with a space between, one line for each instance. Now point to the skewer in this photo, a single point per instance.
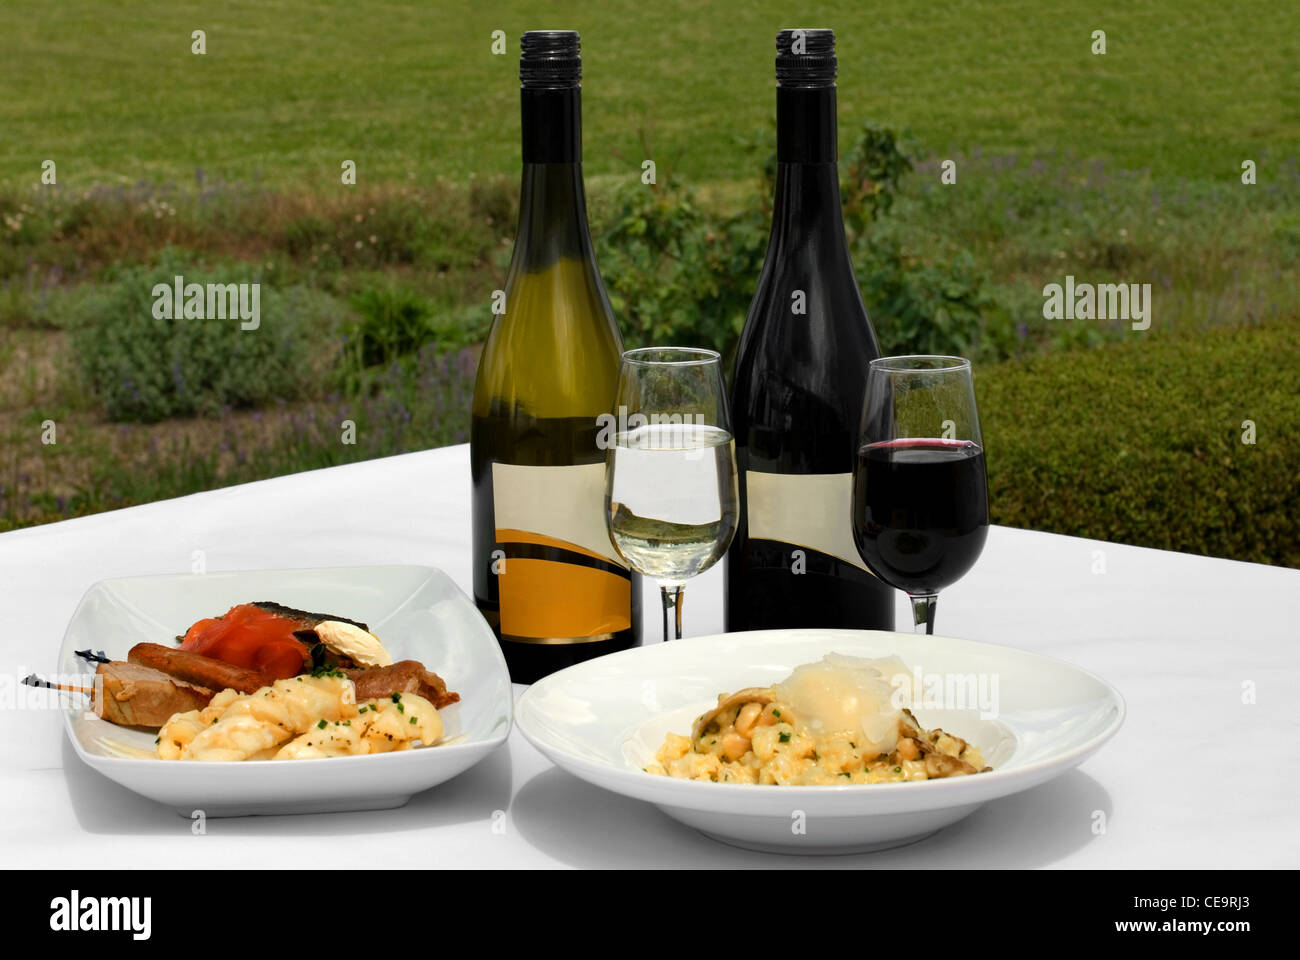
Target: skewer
pixel 32 680
pixel 94 656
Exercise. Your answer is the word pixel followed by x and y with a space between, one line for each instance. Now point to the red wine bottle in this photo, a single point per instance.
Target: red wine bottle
pixel 801 370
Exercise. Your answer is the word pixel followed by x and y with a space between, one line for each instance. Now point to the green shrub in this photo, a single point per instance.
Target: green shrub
pixel 396 331
pixel 678 273
pixel 870 173
pixel 918 306
pixel 391 320
pixel 495 202
pixel 1141 442
pixel 143 368
pixel 306 235
pixel 456 327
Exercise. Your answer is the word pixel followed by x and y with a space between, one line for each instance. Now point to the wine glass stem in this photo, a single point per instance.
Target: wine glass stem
pixel 673 596
pixel 923 605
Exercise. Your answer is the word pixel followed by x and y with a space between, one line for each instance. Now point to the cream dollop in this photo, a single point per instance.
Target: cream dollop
pixel 349 640
pixel 854 695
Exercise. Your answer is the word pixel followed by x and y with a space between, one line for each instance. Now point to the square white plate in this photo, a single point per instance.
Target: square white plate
pixel 418 613
pixel 602 720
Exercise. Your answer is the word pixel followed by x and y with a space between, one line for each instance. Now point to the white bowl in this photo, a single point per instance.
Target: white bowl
pixel 419 614
pixel 602 720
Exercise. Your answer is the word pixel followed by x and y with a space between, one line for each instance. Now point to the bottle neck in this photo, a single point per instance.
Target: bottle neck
pixel 551 120
pixel 552 202
pixel 807 202
pixel 805 125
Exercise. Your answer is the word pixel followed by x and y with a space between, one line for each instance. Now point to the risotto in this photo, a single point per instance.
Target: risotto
pixel 841 720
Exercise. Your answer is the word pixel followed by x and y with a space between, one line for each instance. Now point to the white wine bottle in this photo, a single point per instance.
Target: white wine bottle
pixel 546 576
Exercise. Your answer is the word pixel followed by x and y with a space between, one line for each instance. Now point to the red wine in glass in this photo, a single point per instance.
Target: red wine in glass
pixel 920 511
pixel 920 491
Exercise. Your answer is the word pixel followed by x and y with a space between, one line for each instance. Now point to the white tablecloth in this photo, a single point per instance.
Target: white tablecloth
pixel 1200 776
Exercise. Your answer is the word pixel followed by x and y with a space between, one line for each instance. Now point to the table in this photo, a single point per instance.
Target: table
pixel 1204 651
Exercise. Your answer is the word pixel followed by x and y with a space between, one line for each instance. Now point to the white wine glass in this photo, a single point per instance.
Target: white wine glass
pixel 671 502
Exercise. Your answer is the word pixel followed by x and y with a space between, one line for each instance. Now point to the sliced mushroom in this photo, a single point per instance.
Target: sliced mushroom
pixel 909 726
pixel 760 695
pixel 938 765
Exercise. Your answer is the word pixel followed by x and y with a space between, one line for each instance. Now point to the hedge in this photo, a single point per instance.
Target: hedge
pixel 1141 442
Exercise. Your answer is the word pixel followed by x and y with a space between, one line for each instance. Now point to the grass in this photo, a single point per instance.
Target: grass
pixel 1123 167
pixel 412 92
pixel 1214 253
pixel 1138 442
pixel 94 465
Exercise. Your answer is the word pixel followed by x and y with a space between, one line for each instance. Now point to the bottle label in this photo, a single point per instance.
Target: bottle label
pixel 560 580
pixel 809 511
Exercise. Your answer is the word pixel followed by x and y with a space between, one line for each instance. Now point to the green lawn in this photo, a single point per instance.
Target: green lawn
pixel 290 88
pixel 1115 168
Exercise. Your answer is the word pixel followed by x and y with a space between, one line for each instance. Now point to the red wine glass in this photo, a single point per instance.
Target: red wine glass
pixel 920 491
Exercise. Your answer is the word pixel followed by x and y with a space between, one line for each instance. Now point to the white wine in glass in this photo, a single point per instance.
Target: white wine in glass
pixel 670 489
